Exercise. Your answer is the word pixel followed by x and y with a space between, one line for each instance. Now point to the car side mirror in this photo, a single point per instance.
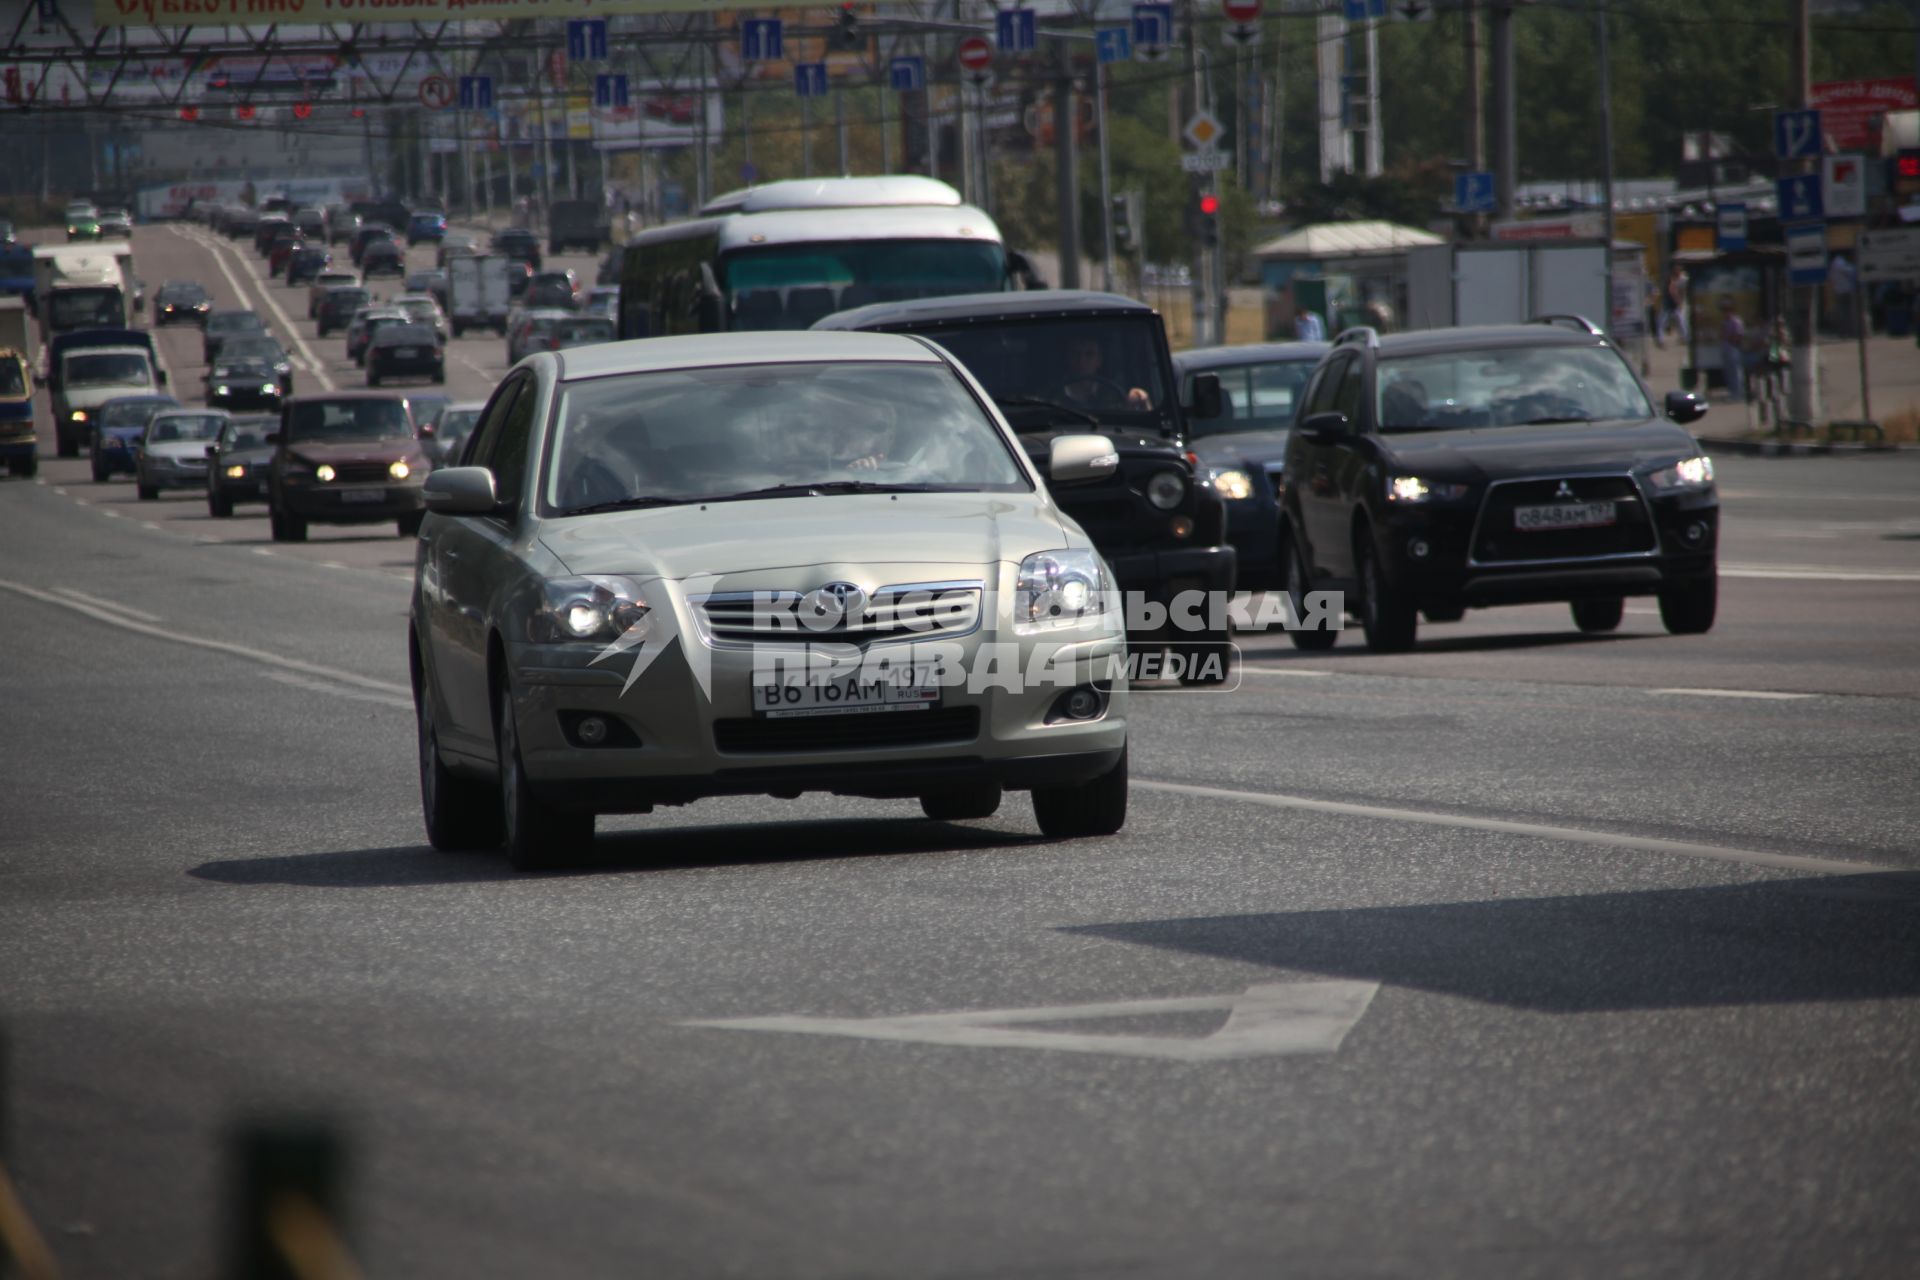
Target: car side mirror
pixel 1207 401
pixel 1685 406
pixel 426 431
pixel 161 375
pixel 461 491
pixel 1020 269
pixel 1077 459
pixel 213 451
pixel 1323 428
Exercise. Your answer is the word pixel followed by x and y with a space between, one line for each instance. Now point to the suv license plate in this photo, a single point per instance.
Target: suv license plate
pixel 405 353
pixel 363 495
pixel 1564 515
pixel 848 695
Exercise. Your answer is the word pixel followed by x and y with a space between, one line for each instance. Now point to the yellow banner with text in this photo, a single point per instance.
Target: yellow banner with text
pixel 261 13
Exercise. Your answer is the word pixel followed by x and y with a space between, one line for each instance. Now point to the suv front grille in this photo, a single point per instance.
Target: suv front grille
pixel 361 472
pixel 913 611
pixel 847 732
pixel 1497 539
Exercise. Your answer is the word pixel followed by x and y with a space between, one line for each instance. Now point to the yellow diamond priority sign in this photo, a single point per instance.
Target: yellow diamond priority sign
pixel 1204 130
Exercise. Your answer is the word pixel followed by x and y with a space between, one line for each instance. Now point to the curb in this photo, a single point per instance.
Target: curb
pixel 1792 448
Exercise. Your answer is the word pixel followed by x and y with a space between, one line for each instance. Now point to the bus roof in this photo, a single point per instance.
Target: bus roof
pixel 835 193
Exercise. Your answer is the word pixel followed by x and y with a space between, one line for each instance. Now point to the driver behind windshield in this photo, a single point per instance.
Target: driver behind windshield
pixel 1087 386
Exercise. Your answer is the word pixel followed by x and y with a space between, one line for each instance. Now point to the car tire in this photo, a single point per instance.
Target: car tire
pixel 459 330
pixel 1386 614
pixel 1096 808
pixel 1444 612
pixel 145 492
pixel 1596 616
pixel 963 804
pixel 440 376
pixel 99 474
pixel 286 527
pixel 66 448
pixel 409 524
pixel 26 468
pixel 460 814
pixel 537 836
pixel 219 506
pixel 1298 584
pixel 373 378
pixel 1688 609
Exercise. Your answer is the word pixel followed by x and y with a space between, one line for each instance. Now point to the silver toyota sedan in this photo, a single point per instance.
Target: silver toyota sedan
pixel 758 564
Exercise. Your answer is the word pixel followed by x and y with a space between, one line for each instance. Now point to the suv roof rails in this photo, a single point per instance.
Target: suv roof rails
pixel 1360 333
pixel 1571 321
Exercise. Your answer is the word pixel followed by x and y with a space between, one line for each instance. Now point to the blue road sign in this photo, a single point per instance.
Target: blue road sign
pixel 1113 44
pixel 1364 10
pixel 1473 193
pixel 760 40
pixel 810 79
pixel 1796 135
pixel 1730 226
pixel 1800 198
pixel 587 39
pixel 1013 30
pixel 49 10
pixel 1153 25
pixel 476 93
pixel 1806 253
pixel 907 74
pixel 610 91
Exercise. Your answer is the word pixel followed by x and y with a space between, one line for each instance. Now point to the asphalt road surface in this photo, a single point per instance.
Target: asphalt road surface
pixel 1524 954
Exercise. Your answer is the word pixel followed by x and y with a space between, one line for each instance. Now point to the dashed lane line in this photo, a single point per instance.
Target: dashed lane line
pixel 1815 573
pixel 265 295
pixel 115 606
pixel 1765 694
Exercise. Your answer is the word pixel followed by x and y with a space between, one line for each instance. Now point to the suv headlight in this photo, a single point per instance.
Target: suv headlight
pixel 1415 489
pixel 1058 589
pixel 1231 483
pixel 1689 473
pixel 591 608
pixel 1165 489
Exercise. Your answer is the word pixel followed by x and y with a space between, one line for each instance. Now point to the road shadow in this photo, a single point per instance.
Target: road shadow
pixel 670 849
pixel 1813 939
pixel 1353 646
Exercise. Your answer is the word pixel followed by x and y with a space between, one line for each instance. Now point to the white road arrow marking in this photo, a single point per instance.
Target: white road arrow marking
pixel 1268 1020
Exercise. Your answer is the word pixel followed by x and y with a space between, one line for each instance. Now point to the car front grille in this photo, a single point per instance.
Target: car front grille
pixel 912 611
pixel 1498 540
pixel 361 472
pixel 847 732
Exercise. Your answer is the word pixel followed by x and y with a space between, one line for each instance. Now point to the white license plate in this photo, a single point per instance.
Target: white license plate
pixel 846 695
pixel 363 495
pixel 405 353
pixel 1564 515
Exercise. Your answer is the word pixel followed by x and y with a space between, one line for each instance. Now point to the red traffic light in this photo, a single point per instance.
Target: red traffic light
pixel 1907 164
pixel 189 114
pixel 301 110
pixel 1209 205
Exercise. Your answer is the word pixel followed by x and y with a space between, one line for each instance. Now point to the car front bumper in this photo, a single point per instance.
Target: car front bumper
pixel 332 503
pixel 173 477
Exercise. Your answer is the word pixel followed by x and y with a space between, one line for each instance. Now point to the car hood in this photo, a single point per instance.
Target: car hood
pixel 951 529
pixel 1241 448
pixel 179 449
pixel 1500 452
pixel 316 452
pixel 1128 442
pixel 127 434
pixel 92 397
pixel 242 372
pixel 252 456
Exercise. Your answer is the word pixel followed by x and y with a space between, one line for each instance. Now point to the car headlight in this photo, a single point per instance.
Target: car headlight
pixel 584 609
pixel 79 415
pixel 269 389
pixel 1231 483
pixel 1689 473
pixel 324 473
pixel 1057 589
pixel 1166 489
pixel 400 470
pixel 222 389
pixel 1415 489
pixel 237 471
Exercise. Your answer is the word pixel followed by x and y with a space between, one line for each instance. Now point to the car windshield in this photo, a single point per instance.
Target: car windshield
pixel 231 322
pixel 1507 387
pixel 369 419
pixel 13 381
pixel 1061 369
pixel 346 299
pixel 685 434
pixel 377 323
pixel 184 426
pixel 580 333
pixel 182 293
pixel 420 310
pixel 455 423
pixel 85 309
pixel 791 286
pixel 249 435
pixel 1255 397
pixel 106 369
pixel 130 413
pixel 393 334
pixel 251 349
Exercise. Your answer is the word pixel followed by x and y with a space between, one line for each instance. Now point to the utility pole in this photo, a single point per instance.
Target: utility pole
pixel 1066 165
pixel 1376 147
pixel 1506 141
pixel 1475 104
pixel 1803 401
pixel 1606 154
pixel 1106 176
pixel 840 120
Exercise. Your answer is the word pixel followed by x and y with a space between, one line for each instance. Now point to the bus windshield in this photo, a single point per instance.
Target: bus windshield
pixel 792 285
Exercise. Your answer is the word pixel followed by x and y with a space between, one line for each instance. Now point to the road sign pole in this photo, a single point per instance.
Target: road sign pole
pixel 1106 176
pixel 1066 163
pixel 1803 398
pixel 806 136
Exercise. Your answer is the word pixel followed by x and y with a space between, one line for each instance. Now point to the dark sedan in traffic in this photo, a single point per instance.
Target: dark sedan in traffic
pixel 238 462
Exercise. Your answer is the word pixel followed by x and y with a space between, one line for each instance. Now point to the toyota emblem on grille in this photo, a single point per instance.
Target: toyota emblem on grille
pixel 1564 491
pixel 835 600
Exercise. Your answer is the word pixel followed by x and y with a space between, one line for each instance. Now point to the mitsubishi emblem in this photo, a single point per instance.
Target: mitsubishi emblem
pixel 1564 491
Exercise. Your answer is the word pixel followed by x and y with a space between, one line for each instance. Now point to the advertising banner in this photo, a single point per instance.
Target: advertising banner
pixel 262 13
pixel 1849 109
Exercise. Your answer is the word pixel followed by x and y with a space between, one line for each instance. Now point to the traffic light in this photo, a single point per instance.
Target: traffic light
pixel 1210 220
pixel 1123 232
pixel 846 35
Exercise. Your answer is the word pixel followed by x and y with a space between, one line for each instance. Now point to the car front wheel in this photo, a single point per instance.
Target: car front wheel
pixel 1320 637
pixel 460 813
pixel 537 836
pixel 1688 609
pixel 960 804
pixel 1096 808
pixel 1386 614
pixel 1595 616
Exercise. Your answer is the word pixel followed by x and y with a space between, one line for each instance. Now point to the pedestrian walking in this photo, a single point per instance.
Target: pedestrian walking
pixel 1842 280
pixel 1733 350
pixel 1673 313
pixel 1308 327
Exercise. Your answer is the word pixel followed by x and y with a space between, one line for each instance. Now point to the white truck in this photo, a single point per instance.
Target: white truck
pixel 479 294
pixel 83 286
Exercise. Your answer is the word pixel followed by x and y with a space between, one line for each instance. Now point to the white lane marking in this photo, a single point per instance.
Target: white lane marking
pixel 262 551
pixel 265 295
pixel 217 646
pixel 111 515
pixel 1284 671
pixel 58 490
pixel 334 690
pixel 148 524
pixel 1576 835
pixel 114 605
pixel 1803 533
pixel 1268 1020
pixel 1814 573
pixel 1736 693
pixel 332 564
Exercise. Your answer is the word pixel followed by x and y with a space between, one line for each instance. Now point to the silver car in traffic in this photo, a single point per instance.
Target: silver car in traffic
pixel 757 564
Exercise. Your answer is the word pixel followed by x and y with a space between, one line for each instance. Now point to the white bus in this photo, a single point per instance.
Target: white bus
pixel 783 255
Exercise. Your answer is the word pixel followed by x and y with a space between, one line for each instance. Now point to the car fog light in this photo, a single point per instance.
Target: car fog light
pixel 1180 527
pixel 1083 704
pixel 324 473
pixel 1695 531
pixel 1418 548
pixel 400 470
pixel 236 472
pixel 592 730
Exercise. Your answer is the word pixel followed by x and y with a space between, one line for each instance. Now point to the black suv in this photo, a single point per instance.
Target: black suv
pixel 1449 469
pixel 1066 362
